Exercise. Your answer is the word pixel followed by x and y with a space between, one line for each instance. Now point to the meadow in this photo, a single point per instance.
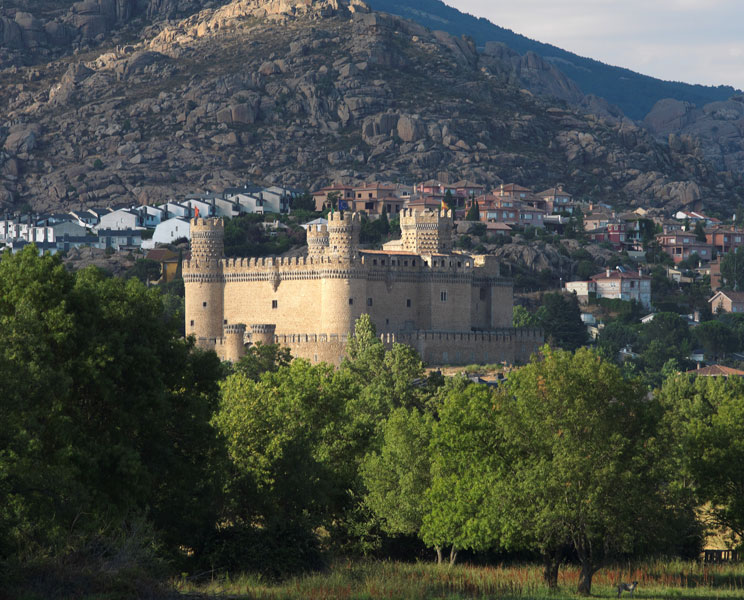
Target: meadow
pixel 378 580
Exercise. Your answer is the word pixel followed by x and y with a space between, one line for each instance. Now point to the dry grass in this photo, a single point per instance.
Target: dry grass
pixel 373 580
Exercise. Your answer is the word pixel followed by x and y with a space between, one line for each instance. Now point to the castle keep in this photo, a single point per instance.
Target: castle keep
pixel 453 308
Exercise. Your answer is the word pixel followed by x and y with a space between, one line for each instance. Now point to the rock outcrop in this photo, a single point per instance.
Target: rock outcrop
pixel 717 128
pixel 301 93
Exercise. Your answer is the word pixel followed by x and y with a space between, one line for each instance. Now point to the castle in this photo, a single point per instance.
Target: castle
pixel 452 307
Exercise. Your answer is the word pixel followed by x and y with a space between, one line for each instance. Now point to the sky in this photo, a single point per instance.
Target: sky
pixel 695 41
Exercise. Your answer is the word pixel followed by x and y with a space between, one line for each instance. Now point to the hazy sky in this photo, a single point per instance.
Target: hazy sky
pixel 696 41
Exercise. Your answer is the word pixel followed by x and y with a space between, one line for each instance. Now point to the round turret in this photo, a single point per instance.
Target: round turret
pixel 233 343
pixel 317 240
pixel 343 234
pixel 263 333
pixel 207 241
pixel 202 276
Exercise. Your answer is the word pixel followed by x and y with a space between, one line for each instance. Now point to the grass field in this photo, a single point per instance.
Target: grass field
pixel 372 580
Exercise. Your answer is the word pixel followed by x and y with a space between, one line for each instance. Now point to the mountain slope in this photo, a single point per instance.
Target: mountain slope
pixel 304 93
pixel 634 93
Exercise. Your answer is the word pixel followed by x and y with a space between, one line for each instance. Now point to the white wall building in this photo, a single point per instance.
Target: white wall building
pixel 171 230
pixel 124 218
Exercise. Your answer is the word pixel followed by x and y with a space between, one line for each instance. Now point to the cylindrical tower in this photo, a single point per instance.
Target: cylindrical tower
pixel 263 333
pixel 233 343
pixel 317 240
pixel 203 281
pixel 343 234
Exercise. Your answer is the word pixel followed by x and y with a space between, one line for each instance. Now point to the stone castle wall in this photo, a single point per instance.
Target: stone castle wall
pixel 411 295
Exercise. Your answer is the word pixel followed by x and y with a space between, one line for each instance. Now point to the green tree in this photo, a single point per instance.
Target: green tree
pixel 462 497
pixel 732 269
pixel 716 338
pixel 398 476
pixel 614 337
pixel 106 413
pixel 706 415
pixel 560 317
pixel 473 212
pixel 260 358
pixel 524 318
pixel 574 432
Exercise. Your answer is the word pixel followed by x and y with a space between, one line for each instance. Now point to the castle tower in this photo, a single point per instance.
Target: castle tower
pixel 263 333
pixel 203 280
pixel 317 240
pixel 343 234
pixel 233 347
pixel 426 231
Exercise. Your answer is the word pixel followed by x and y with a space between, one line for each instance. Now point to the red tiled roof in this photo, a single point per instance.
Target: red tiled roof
pixel 716 371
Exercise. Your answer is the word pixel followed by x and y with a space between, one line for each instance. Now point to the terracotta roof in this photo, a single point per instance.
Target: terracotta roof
pixel 716 371
pixel 733 296
pixel 554 191
pixel 161 255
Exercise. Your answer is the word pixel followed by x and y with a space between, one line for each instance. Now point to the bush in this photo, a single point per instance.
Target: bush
pixel 276 551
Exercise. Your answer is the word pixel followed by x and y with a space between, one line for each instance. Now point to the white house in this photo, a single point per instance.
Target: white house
pixel 175 209
pixel 204 205
pixel 171 230
pixel 151 215
pixel 122 219
pixel 249 203
pixel 617 284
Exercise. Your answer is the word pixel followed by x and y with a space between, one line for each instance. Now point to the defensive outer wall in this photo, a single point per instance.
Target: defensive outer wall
pixel 453 308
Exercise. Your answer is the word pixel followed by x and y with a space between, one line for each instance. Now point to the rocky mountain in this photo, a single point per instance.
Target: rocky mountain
pixel 717 127
pixel 302 92
pixel 633 92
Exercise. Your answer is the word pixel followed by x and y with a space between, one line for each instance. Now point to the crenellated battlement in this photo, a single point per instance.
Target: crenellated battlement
pixel 450 306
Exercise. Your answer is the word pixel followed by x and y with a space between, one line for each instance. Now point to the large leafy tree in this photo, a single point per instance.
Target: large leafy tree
pixel 706 414
pixel 397 477
pixel 584 466
pixel 732 269
pixel 105 412
pixel 463 501
pixel 560 317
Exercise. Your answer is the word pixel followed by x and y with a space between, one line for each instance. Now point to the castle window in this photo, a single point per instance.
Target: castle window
pixel 192 322
pixel 204 304
pixel 224 322
pixel 274 304
pixel 408 303
pixel 369 301
pixel 443 296
pixel 413 263
pixel 351 301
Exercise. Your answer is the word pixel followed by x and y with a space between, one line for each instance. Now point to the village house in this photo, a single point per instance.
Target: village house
pixel 682 244
pixel 171 230
pixel 344 193
pixel 725 239
pixel 615 284
pixel 376 198
pixel 121 219
pixel 169 263
pixel 556 200
pixel 727 302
